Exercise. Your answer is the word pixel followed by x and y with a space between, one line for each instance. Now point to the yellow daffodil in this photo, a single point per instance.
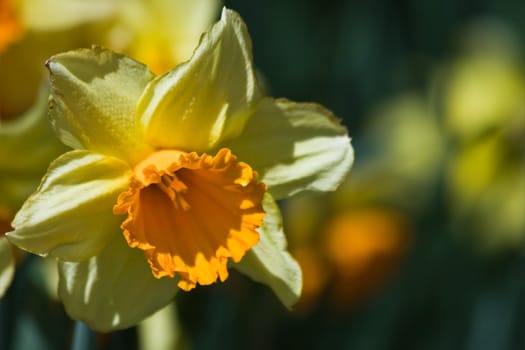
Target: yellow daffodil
pixel 172 178
pixel 32 30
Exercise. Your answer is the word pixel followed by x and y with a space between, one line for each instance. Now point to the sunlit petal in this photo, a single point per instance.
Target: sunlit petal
pixel 295 147
pixel 70 215
pixel 207 99
pixel 93 98
pixel 114 289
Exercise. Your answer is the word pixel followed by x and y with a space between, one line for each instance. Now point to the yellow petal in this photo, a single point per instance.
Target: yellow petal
pixel 295 147
pixel 69 216
pixel 114 289
pixel 93 98
pixel 207 99
pixel 190 213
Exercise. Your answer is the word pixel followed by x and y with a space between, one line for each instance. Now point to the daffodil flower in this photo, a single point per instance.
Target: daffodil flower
pixel 31 31
pixel 172 179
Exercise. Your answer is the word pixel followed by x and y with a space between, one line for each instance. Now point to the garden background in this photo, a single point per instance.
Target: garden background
pixel 423 247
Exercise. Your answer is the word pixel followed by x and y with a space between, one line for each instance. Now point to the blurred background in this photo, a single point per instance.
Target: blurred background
pixel 423 246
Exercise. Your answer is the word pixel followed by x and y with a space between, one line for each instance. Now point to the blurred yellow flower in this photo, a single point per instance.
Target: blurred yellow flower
pixel 185 165
pixel 406 148
pixel 485 116
pixel 159 33
pixel 484 85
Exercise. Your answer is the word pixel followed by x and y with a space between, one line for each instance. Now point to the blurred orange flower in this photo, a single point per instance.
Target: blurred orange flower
pixel 364 247
pixel 10 27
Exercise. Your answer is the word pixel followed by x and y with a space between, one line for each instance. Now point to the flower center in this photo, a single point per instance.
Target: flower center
pixel 10 26
pixel 190 213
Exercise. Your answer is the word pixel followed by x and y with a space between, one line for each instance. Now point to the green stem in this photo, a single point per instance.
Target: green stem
pixel 83 337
